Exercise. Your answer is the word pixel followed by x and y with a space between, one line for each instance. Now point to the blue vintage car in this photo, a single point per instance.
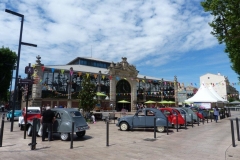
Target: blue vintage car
pixel 144 118
pixel 17 114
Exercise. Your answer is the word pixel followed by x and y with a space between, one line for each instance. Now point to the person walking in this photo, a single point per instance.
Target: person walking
pixel 216 113
pixel 47 120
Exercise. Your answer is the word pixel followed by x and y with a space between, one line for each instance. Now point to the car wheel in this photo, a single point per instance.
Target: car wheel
pixel 29 131
pixel 123 126
pixel 65 136
pixel 81 134
pixel 160 129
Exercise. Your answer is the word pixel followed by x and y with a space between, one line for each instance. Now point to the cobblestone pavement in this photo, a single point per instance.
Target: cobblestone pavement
pixel 211 141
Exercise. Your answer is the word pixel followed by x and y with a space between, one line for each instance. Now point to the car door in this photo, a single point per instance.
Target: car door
pixel 57 122
pixel 139 119
pixel 150 118
pixel 168 114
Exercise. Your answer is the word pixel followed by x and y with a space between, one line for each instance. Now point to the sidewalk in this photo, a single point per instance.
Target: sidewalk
pixel 211 141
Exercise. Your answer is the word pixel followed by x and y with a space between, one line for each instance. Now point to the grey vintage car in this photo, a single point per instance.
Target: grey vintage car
pixel 183 113
pixel 190 113
pixel 63 122
pixel 144 118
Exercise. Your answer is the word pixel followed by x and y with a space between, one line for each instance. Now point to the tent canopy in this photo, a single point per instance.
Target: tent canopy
pixel 203 95
pixel 216 94
pixel 235 102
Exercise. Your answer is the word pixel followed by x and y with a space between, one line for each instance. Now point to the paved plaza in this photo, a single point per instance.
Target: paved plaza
pixel 211 141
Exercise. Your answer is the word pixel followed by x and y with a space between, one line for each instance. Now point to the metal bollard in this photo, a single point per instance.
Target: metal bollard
pixel 34 135
pixel 192 119
pixel 203 119
pixel 167 125
pixel 155 127
pixel 177 122
pixel 211 114
pixel 207 118
pixel 232 131
pixel 198 120
pixel 185 122
pixel 107 130
pixel 2 128
pixel 72 134
pixel 237 124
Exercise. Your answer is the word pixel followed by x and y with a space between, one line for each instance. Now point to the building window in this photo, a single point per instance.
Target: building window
pixel 208 77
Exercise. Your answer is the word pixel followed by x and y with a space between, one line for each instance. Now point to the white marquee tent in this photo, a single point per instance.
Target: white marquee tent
pixel 204 95
pixel 216 94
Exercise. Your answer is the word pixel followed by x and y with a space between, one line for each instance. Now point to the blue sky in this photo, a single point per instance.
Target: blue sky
pixel 162 38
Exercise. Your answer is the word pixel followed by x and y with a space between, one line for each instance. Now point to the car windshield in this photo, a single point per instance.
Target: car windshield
pixel 33 111
pixel 75 114
pixel 181 111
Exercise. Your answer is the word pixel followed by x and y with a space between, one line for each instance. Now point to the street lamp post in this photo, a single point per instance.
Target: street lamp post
pixel 18 59
pixel 10 90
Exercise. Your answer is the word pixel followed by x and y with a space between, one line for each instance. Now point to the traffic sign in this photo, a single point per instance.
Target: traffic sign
pixel 26 81
pixel 29 70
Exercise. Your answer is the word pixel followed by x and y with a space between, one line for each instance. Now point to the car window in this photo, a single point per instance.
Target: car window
pixel 141 113
pixel 57 116
pixel 165 112
pixel 150 113
pixel 75 114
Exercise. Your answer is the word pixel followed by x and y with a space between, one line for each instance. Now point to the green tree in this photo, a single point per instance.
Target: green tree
pixel 7 62
pixel 87 94
pixel 226 27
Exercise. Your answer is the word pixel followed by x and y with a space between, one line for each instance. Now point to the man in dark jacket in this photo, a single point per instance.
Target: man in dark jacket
pixel 47 120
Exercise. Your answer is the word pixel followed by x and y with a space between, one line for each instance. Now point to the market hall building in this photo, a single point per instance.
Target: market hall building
pixel 60 84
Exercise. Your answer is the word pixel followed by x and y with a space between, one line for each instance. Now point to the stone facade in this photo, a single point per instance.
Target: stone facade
pixel 123 69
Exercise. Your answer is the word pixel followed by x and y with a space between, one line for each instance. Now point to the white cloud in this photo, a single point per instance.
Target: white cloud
pixel 163 30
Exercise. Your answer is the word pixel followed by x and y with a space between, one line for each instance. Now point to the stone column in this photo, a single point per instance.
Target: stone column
pixel 133 95
pixel 112 95
pixel 176 90
pixel 37 88
pixel 144 90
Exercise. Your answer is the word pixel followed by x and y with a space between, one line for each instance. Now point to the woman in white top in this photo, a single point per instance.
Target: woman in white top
pixel 216 113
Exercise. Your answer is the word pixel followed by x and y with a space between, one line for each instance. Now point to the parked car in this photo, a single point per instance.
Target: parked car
pixel 32 112
pixel 199 112
pixel 17 114
pixel 63 122
pixel 183 114
pixel 190 113
pixel 143 118
pixel 172 114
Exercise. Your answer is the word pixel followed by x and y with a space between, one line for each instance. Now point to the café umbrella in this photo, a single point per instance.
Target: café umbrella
pixel 150 102
pixel 100 94
pixel 123 101
pixel 163 102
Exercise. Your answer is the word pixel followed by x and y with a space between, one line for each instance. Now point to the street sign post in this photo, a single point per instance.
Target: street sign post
pixel 29 70
pixel 25 81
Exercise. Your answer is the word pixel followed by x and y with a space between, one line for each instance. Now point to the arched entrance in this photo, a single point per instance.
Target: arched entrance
pixel 123 92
